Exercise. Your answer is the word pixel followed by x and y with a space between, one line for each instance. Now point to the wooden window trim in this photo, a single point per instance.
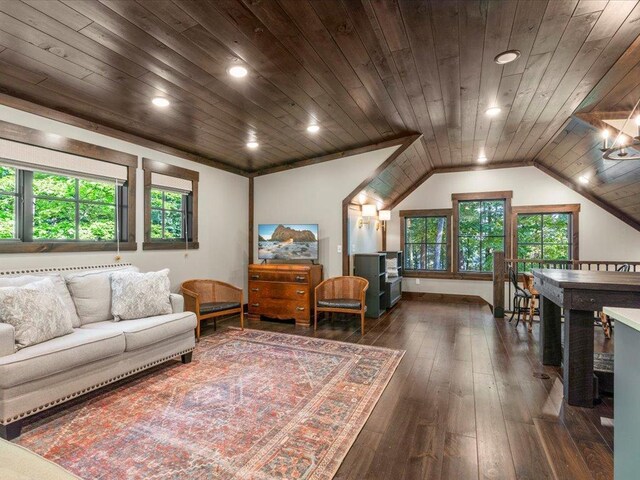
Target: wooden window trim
pixel 150 166
pixel 456 198
pixel 572 208
pixel 30 136
pixel 440 212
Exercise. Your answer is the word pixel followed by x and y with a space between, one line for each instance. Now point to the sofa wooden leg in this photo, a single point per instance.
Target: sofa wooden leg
pixel 187 357
pixel 11 431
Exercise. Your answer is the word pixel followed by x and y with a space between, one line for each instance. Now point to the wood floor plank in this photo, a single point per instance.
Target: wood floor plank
pixel 494 451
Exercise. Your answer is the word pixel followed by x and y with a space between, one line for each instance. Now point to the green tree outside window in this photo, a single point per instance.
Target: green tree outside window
pixel 167 215
pixel 8 199
pixel 426 240
pixel 60 208
pixel 481 231
pixel 545 236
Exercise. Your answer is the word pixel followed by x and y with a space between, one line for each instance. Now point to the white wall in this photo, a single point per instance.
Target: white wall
pixel 602 236
pixel 314 194
pixel 223 217
pixel 365 239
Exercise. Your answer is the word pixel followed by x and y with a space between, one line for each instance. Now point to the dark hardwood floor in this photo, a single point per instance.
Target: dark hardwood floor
pixel 465 403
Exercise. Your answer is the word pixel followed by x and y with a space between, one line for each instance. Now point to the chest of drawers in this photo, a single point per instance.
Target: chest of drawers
pixel 283 291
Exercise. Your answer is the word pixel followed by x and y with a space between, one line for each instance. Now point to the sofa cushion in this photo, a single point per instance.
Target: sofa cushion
pixel 58 281
pixel 211 307
pixel 147 331
pixel 139 295
pixel 60 354
pixel 91 293
pixel 18 463
pixel 35 311
pixel 340 303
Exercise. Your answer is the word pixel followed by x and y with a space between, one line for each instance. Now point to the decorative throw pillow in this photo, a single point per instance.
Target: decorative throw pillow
pixel 91 292
pixel 58 282
pixel 140 295
pixel 35 311
pixel 392 267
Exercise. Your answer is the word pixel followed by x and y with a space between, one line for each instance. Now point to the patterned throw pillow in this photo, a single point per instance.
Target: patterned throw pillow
pixel 140 295
pixel 35 311
pixel 392 267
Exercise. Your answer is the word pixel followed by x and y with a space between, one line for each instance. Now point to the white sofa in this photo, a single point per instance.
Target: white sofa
pixel 41 376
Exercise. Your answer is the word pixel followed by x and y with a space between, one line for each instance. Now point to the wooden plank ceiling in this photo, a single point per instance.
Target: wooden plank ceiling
pixel 366 71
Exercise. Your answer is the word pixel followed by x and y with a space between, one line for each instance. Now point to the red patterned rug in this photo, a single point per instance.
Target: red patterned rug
pixel 251 405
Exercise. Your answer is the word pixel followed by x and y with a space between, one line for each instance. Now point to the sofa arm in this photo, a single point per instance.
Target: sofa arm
pixel 7 340
pixel 177 302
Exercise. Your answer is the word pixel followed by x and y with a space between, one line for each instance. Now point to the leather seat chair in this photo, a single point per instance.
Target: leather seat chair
pixel 210 299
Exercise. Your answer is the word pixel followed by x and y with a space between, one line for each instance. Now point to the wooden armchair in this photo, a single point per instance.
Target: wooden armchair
pixel 212 299
pixel 341 295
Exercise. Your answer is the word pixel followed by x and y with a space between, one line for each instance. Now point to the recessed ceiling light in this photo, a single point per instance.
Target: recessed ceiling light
pixel 584 179
pixel 492 111
pixel 482 159
pixel 313 128
pixel 238 71
pixel 507 57
pixel 160 102
pixel 253 145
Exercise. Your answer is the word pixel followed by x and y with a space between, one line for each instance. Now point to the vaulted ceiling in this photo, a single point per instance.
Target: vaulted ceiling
pixel 366 71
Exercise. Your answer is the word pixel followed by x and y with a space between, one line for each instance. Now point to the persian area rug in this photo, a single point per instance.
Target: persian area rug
pixel 252 405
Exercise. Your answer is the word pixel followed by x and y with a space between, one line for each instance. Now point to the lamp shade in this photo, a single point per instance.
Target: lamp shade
pixel 384 215
pixel 369 210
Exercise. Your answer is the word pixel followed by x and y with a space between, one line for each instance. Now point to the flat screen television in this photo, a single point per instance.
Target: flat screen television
pixel 280 241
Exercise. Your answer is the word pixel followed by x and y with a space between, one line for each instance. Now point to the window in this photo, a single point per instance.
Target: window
pixel 61 194
pixel 171 206
pixel 426 240
pixel 546 232
pixel 68 208
pixel 8 202
pixel 168 214
pixel 62 207
pixel 481 229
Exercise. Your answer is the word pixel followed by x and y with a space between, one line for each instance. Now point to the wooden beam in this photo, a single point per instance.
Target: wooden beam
pixel 334 156
pixel 251 210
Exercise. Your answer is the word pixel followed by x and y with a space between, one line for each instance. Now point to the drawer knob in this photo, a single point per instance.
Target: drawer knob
pixel 255 289
pixel 300 292
pixel 255 277
pixel 300 278
pixel 300 309
pixel 255 304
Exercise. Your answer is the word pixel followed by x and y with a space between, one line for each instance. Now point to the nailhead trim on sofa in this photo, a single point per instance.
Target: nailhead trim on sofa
pixel 92 388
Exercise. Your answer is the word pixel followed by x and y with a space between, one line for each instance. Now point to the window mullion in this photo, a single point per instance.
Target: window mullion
pixel 27 206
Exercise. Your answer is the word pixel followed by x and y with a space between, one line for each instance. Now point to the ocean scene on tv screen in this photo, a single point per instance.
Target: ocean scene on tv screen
pixel 288 242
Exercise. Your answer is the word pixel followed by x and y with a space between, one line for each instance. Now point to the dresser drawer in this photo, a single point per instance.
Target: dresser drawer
pixel 284 291
pixel 293 277
pixel 279 308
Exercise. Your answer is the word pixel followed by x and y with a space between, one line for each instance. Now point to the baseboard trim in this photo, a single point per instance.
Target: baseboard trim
pixel 445 298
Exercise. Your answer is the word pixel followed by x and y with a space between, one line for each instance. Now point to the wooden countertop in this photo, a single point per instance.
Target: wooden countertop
pixel 590 280
pixel 628 316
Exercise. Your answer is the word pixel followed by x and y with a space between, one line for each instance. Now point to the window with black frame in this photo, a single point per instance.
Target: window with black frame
pixel 426 243
pixel 171 206
pixel 169 215
pixel 545 236
pixel 37 206
pixel 481 231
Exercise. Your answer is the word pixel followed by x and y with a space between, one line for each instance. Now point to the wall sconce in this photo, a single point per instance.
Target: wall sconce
pixel 383 217
pixel 368 211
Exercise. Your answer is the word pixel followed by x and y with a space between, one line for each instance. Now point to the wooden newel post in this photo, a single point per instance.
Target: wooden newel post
pixel 498 284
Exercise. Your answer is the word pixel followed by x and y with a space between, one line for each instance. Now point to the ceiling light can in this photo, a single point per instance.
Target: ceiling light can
pixel 507 56
pixel 160 102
